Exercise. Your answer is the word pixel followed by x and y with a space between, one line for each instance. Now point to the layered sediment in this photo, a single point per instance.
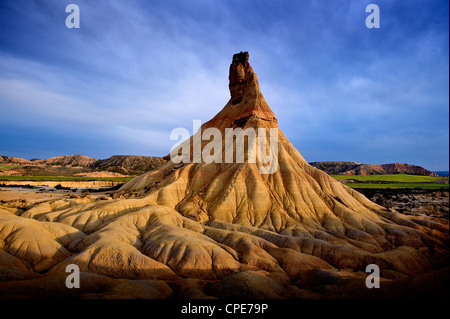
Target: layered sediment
pixel 207 228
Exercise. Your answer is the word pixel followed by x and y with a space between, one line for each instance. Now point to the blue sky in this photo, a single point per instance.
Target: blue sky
pixel 135 70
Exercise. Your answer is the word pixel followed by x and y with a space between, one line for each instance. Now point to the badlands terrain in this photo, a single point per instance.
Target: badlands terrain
pixel 79 165
pixel 129 165
pixel 223 230
pixel 355 168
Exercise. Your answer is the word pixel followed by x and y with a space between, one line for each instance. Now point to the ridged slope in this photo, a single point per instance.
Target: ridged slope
pixel 213 220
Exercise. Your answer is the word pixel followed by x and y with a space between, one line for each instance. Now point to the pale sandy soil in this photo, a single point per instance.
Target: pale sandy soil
pixel 32 196
pixel 70 184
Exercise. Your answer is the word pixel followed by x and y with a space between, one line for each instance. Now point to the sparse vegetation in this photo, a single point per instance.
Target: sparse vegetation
pixel 398 185
pixel 9 166
pixel 396 181
pixel 396 178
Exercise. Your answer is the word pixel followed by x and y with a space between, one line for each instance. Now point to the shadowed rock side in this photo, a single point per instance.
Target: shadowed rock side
pixel 207 228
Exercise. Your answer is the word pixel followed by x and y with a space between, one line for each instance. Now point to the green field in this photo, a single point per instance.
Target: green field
pixel 63 178
pixel 398 185
pixel 396 181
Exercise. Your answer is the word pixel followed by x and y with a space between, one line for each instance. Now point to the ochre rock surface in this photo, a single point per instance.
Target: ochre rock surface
pixel 202 230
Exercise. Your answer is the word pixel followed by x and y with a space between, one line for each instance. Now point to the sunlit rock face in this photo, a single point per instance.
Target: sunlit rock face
pixel 207 227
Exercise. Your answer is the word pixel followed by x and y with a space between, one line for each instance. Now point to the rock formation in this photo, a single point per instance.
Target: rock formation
pixel 354 168
pixel 68 160
pixel 80 165
pixel 210 227
pixel 128 164
pixel 13 160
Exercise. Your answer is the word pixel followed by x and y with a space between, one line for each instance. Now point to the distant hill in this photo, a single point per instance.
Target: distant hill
pixel 132 165
pixel 71 165
pixel 355 168
pixel 69 160
pixel 13 160
pixel 129 164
